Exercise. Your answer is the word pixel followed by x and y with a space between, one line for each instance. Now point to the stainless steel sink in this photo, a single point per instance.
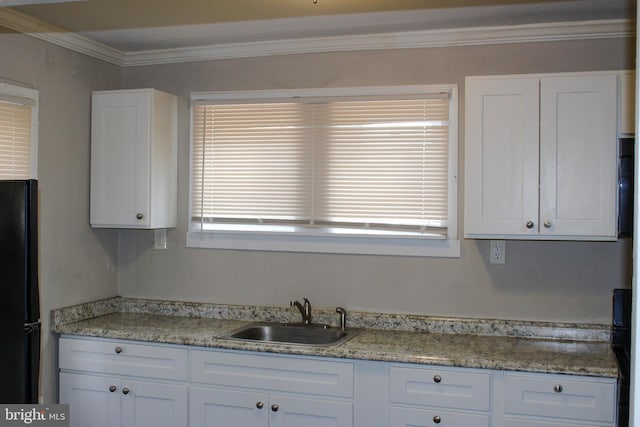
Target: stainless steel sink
pixel 293 333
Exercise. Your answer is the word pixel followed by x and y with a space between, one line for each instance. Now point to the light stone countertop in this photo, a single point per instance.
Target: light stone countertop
pixel 432 341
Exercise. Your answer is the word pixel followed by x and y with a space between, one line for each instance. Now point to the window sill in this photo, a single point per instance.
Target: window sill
pixel 325 243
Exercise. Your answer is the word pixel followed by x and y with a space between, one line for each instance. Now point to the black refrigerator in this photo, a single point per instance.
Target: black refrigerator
pixel 19 299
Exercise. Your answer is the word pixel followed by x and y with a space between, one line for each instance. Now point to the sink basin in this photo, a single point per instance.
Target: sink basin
pixel 293 333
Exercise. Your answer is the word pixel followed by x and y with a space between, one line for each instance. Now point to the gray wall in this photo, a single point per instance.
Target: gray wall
pixel 567 281
pixel 563 281
pixel 77 264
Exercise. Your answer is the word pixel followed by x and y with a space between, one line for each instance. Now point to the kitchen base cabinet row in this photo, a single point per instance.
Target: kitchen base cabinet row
pixel 110 383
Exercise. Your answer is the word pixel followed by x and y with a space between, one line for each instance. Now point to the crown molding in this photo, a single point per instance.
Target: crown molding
pixel 400 40
pixel 25 24
pixel 546 32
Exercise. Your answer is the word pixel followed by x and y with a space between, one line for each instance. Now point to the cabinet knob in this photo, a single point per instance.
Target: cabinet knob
pixel 437 419
pixel 547 224
pixel 112 388
pixel 118 349
pixel 139 216
pixel 259 405
pixel 437 378
pixel 125 390
pixel 530 224
pixel 275 407
pixel 558 388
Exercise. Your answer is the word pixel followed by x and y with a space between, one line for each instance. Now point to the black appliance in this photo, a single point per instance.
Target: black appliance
pixel 19 300
pixel 621 345
pixel 625 186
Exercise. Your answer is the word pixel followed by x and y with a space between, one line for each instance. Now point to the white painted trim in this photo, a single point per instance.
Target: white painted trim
pixel 243 95
pixel 33 27
pixel 6 3
pixel 476 36
pixel 401 40
pixel 324 244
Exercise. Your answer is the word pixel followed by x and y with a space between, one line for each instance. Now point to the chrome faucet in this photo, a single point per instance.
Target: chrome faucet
pixel 305 310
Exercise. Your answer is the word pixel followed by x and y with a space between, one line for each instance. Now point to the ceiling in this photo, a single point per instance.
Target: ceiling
pixel 139 25
pixel 139 32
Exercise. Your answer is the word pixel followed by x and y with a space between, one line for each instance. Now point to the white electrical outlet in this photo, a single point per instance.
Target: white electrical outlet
pixel 497 251
pixel 160 238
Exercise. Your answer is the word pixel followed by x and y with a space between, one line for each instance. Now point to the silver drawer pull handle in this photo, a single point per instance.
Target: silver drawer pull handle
pixel 529 224
pixel 275 407
pixel 259 405
pixel 437 378
pixel 139 216
pixel 437 419
pixel 557 388
pixel 112 388
pixel 119 349
pixel 125 391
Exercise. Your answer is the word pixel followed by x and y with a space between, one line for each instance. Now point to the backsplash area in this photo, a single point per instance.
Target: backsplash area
pixel 357 319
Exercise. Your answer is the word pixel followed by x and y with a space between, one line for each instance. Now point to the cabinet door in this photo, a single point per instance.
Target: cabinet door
pixel 93 401
pixel 120 137
pixel 501 153
pixel 146 404
pixel 310 412
pixel 213 407
pixel 578 149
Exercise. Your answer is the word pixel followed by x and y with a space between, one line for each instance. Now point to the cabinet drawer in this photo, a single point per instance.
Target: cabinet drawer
pixel 560 396
pixel 447 388
pixel 272 372
pixel 123 358
pixel 410 417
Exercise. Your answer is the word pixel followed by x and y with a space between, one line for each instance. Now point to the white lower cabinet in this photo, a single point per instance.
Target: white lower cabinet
pixel 427 396
pixel 543 400
pixel 231 408
pixel 111 402
pixel 120 383
pixel 237 389
pixel 90 402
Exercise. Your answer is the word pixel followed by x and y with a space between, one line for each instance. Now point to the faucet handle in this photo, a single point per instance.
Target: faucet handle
pixel 343 318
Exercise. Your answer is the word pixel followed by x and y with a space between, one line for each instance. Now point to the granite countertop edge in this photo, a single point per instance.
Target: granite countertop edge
pixel 540 347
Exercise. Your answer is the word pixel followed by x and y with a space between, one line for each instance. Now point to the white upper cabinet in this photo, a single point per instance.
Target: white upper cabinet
pixel 541 157
pixel 133 159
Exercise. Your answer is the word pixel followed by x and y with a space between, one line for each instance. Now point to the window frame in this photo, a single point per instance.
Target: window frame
pixel 27 97
pixel 298 239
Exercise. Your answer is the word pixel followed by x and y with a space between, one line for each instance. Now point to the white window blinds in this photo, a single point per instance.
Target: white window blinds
pixel 15 141
pixel 364 163
pixel 18 118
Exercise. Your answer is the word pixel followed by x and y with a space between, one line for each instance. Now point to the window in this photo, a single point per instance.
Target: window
pixel 360 170
pixel 18 132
